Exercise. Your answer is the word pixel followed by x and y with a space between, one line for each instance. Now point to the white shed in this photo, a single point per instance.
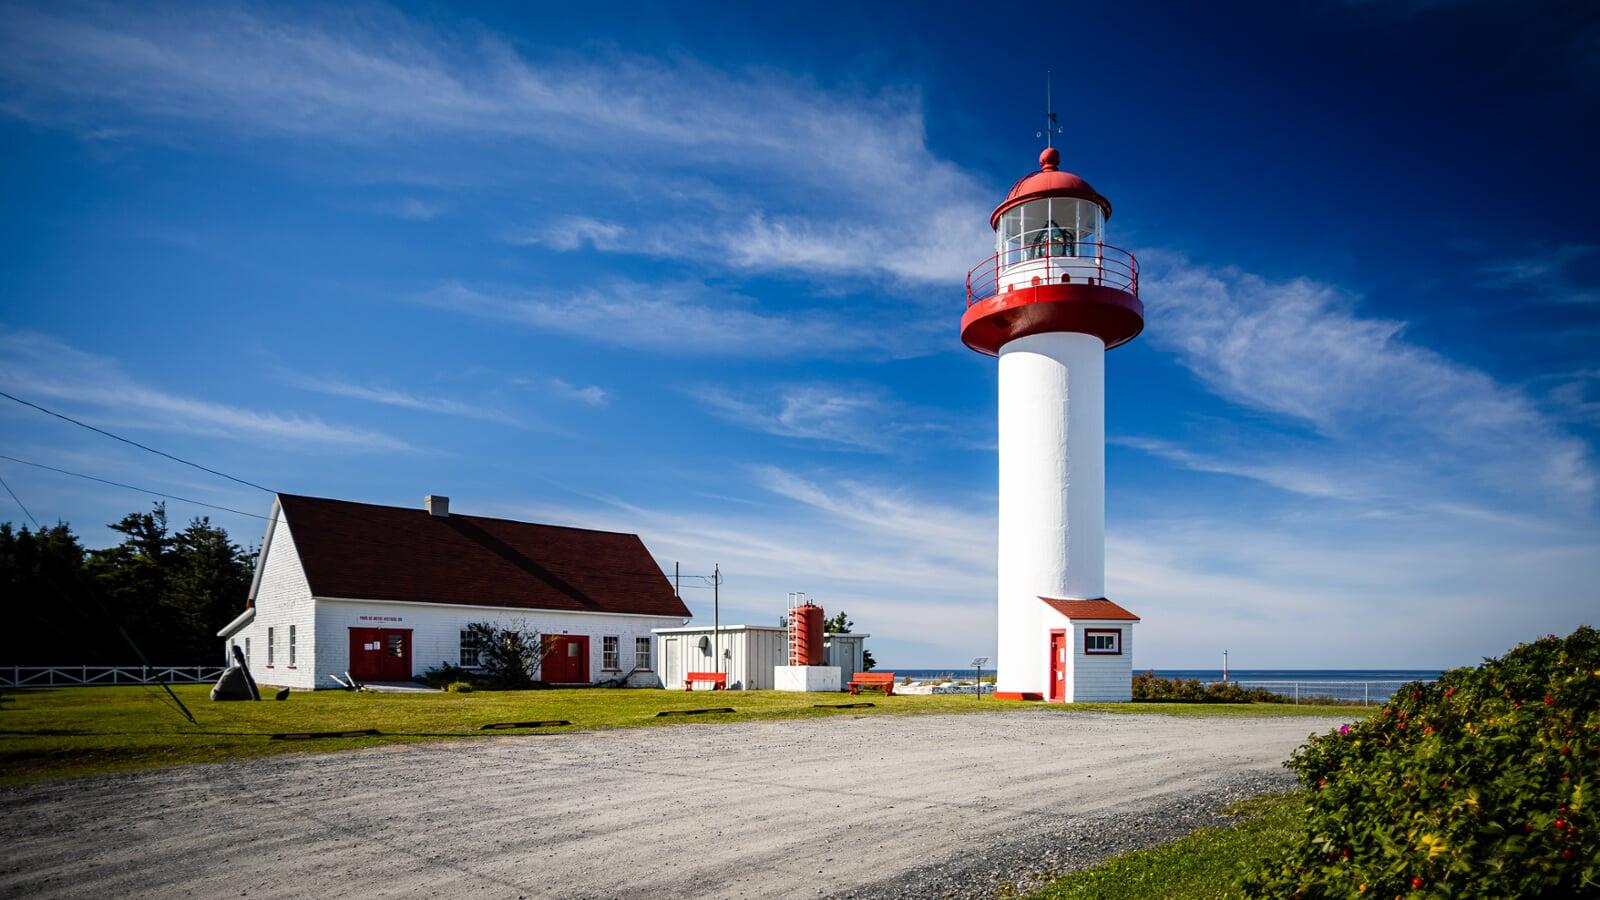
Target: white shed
pixel 749 654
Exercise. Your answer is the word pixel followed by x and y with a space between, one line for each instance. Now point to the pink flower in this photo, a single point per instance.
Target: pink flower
pixel 1344 729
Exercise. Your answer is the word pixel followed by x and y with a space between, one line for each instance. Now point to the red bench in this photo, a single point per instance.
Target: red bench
pixel 719 680
pixel 884 680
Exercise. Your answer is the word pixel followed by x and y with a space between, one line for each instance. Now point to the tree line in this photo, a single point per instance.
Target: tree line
pixel 168 591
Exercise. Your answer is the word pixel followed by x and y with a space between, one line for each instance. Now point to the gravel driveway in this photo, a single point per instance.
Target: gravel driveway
pixel 869 806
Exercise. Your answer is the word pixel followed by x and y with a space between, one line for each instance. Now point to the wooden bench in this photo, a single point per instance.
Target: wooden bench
pixel 884 680
pixel 719 680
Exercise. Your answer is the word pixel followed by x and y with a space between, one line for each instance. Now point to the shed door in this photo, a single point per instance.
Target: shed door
pixel 672 673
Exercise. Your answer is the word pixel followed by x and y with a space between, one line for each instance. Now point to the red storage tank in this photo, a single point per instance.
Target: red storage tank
pixel 805 636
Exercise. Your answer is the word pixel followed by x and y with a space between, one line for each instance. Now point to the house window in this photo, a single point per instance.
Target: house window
pixel 469 649
pixel 608 653
pixel 641 653
pixel 1102 641
pixel 269 648
pixel 291 646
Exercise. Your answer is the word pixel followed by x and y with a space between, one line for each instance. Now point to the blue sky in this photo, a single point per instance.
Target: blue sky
pixel 698 275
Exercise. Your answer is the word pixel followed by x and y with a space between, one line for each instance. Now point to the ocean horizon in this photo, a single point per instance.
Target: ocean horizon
pixel 1302 675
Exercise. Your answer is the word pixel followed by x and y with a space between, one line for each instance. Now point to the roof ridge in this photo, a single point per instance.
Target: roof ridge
pixel 455 515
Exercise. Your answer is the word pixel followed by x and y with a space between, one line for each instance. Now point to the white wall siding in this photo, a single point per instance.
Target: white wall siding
pixel 282 599
pixel 436 633
pixel 1101 678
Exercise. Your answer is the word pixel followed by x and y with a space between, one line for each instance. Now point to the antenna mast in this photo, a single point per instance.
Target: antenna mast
pixel 1051 126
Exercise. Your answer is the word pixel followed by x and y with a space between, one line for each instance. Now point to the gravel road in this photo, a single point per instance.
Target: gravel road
pixel 881 806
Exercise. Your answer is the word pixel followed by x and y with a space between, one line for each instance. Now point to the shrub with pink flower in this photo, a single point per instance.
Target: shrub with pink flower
pixel 1484 797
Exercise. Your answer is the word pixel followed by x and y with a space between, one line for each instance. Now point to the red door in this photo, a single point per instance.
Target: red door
pixel 1058 666
pixel 380 654
pixel 565 659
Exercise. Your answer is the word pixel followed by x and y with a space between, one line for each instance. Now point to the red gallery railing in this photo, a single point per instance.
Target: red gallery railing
pixel 1056 261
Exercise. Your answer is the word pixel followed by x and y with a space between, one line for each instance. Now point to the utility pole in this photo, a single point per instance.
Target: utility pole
pixel 677 591
pixel 1224 666
pixel 716 614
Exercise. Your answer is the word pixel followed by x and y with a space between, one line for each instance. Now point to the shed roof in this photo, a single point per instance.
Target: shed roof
pixel 1090 609
pixel 369 552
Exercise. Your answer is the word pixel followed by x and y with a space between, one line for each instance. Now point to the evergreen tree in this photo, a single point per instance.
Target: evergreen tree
pixel 839 623
pixel 170 592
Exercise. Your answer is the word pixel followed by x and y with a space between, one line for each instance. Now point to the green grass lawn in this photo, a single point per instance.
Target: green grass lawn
pixel 1206 864
pixel 58 732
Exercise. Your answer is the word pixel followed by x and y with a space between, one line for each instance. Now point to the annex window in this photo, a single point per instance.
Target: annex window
pixel 641 653
pixel 1102 641
pixel 469 658
pixel 608 653
pixel 291 646
pixel 269 648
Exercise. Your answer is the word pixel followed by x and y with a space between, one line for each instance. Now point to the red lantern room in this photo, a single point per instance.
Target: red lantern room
pixel 1052 269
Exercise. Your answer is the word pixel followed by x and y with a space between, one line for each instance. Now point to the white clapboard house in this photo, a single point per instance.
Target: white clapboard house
pixel 385 593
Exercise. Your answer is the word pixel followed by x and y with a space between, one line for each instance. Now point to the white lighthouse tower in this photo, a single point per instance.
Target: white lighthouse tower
pixel 1050 303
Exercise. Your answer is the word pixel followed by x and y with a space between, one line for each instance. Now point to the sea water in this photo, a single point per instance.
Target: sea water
pixel 1374 685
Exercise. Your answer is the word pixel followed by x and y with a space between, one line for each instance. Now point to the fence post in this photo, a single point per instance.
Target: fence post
pixel 1365 696
pixel 1297 693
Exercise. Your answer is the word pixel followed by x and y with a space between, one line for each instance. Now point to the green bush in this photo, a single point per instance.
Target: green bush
pixel 1149 686
pixel 443 675
pixel 1470 786
pixel 459 687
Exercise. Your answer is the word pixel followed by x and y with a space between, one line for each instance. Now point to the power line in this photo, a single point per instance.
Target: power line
pixel 134 443
pixel 135 488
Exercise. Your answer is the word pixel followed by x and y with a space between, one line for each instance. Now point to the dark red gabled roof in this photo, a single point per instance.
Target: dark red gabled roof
pixel 368 552
pixel 1090 609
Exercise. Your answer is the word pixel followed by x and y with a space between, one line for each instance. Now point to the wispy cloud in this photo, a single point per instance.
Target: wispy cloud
pixel 1300 350
pixel 1551 275
pixel 857 159
pixel 1308 481
pixel 336 387
pixel 39 367
pixel 682 318
pixel 413 209
pixel 589 394
pixel 858 417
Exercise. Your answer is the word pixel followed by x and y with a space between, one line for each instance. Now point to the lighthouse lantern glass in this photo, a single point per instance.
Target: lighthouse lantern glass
pixel 1047 228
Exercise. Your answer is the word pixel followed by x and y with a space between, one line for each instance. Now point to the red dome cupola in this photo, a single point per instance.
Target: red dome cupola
pixel 1052 269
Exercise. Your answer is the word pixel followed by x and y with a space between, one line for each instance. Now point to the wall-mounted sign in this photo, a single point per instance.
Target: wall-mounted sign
pixel 382 618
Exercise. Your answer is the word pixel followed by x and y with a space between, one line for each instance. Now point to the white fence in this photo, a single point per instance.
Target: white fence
pixel 56 676
pixel 1365 693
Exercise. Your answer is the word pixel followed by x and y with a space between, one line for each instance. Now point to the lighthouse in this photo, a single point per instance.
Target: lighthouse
pixel 1049 303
